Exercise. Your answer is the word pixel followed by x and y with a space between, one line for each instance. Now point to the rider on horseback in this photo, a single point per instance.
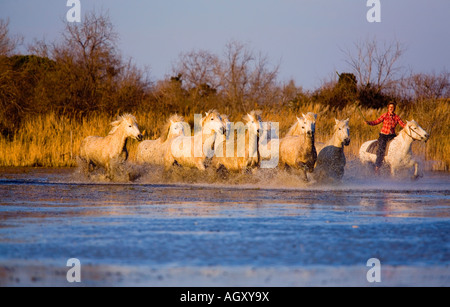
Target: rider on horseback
pixel 390 121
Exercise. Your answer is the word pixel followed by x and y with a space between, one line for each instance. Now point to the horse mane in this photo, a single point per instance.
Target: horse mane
pixel 295 127
pixel 254 113
pixel 336 125
pixel 211 112
pixel 311 116
pixel 225 118
pixel 214 112
pixel 121 118
pixel 166 128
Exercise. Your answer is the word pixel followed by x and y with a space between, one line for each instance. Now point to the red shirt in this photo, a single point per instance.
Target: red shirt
pixel 390 121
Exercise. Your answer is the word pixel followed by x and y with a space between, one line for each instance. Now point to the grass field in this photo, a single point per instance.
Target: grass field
pixel 54 141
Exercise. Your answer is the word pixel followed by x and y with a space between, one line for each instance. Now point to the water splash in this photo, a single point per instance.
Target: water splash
pixel 356 177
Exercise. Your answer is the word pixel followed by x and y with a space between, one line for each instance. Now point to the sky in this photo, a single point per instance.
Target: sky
pixel 305 37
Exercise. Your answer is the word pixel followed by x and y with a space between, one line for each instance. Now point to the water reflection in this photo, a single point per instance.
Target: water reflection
pixel 413 204
pixel 51 216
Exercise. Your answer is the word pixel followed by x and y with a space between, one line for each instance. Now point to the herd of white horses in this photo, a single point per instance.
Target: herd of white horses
pixel 245 146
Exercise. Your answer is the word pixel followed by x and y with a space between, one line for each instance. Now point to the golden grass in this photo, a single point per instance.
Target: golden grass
pixel 52 141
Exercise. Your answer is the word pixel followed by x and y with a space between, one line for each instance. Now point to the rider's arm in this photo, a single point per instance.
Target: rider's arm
pixel 376 122
pixel 401 122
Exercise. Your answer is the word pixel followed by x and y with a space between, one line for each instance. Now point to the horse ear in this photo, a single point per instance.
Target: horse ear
pixel 298 119
pixel 337 121
pixel 172 122
pixel 115 123
pixel 347 120
pixel 304 116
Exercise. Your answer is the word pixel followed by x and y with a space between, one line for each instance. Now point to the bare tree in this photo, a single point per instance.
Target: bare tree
pixel 198 68
pixel 241 78
pixel 7 43
pixel 94 74
pixel 421 86
pixel 93 44
pixel 245 77
pixel 88 61
pixel 430 86
pixel 375 63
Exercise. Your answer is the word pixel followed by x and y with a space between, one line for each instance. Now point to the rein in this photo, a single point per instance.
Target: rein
pixel 410 134
pixel 360 112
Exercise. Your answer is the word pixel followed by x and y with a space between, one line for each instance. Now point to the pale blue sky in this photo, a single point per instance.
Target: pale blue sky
pixel 304 36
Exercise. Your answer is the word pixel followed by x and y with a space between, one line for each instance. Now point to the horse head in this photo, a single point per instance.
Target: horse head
pixel 416 132
pixel 127 123
pixel 307 124
pixel 342 131
pixel 253 122
pixel 227 124
pixel 175 126
pixel 176 129
pixel 213 122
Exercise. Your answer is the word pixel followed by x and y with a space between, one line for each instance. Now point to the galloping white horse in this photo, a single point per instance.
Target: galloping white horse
pixel 399 154
pixel 153 151
pixel 245 154
pixel 105 151
pixel 192 151
pixel 297 149
pixel 331 158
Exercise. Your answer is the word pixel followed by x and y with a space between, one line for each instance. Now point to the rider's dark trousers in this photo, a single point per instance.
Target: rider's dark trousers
pixel 382 141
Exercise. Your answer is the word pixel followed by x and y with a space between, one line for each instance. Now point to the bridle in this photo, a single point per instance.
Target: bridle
pixel 410 134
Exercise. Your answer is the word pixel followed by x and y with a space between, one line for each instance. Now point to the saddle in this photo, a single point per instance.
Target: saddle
pixel 373 148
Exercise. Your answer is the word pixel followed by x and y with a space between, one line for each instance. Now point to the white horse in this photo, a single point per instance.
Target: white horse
pixel 193 151
pixel 106 151
pixel 297 149
pixel 244 154
pixel 331 158
pixel 153 151
pixel 399 155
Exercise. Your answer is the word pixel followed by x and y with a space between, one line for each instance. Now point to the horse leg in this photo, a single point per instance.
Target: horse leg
pixel 303 167
pixel 249 170
pixel 90 166
pixel 222 172
pixel 109 171
pixel 287 168
pixel 417 171
pixel 201 165
pixel 305 174
pixel 85 165
pixel 169 161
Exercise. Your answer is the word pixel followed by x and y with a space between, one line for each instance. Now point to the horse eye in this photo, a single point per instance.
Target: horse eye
pixel 129 126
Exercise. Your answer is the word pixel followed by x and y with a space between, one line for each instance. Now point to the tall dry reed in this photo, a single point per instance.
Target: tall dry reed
pixel 53 141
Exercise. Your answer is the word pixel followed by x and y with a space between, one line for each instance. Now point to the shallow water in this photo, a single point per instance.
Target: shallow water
pixel 267 228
